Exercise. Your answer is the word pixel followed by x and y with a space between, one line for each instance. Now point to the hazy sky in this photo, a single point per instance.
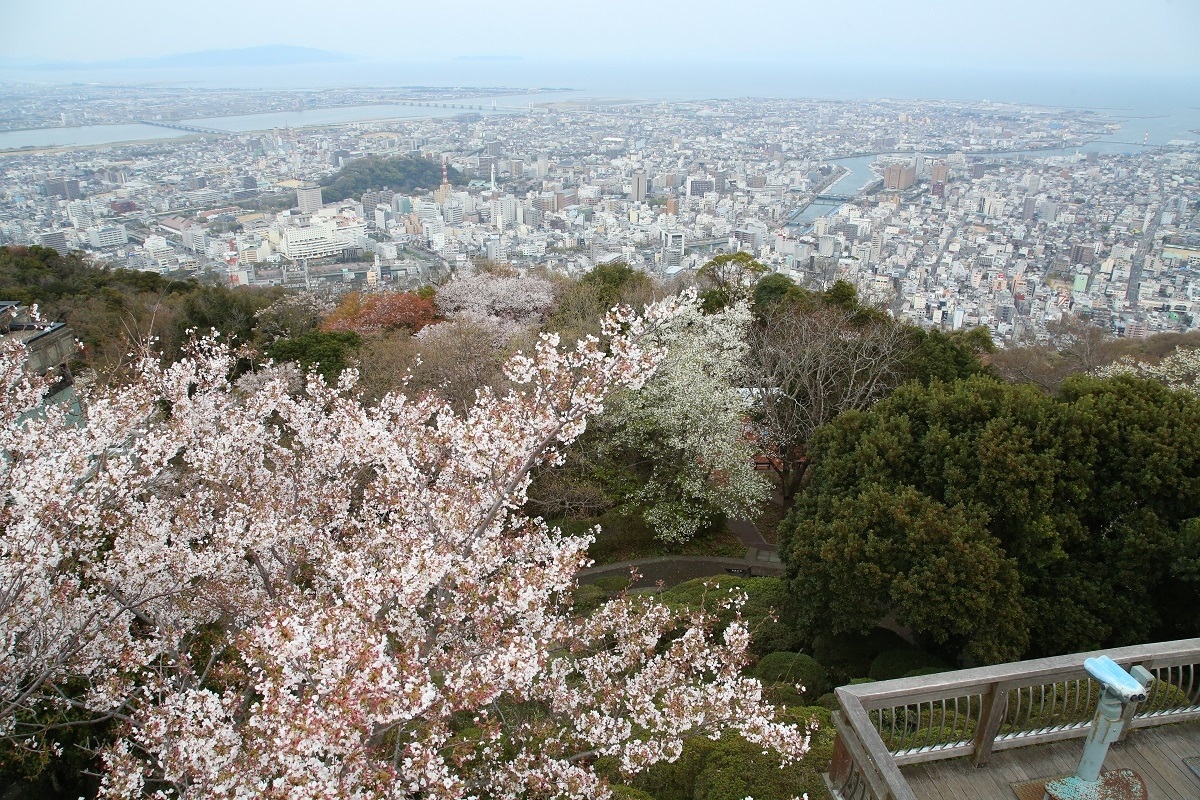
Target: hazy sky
pixel 1088 35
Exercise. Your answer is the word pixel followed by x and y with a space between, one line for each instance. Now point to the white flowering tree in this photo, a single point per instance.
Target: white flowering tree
pixel 686 427
pixel 1179 370
pixel 290 595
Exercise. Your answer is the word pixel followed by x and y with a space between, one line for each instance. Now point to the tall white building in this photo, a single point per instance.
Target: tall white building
pixel 308 198
pixel 107 236
pixel 637 186
pixel 672 248
pixel 310 241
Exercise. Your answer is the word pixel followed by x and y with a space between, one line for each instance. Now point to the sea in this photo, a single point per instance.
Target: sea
pixel 1157 108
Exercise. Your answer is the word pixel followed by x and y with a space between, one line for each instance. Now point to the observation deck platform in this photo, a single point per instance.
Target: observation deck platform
pixel 1156 754
pixel 1000 732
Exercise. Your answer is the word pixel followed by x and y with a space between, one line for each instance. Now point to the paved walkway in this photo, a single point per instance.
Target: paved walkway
pixel 761 559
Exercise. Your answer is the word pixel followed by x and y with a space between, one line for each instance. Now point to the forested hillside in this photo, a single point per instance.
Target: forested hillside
pixel 112 309
pixel 398 173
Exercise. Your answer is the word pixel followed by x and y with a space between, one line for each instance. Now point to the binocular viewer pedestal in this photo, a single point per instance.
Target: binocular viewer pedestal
pixel 1090 781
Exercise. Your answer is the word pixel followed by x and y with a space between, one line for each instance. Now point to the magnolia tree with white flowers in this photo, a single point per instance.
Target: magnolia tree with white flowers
pixel 287 594
pixel 1180 370
pixel 687 425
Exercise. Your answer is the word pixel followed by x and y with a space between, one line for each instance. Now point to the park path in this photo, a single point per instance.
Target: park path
pixel 761 559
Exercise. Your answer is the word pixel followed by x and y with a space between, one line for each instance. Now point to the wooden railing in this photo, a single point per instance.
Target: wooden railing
pixel 975 712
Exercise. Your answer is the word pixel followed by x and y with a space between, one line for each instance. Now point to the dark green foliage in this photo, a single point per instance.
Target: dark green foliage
pixel 794 668
pixel 828 700
pixel 771 289
pixel 111 309
pixel 397 173
pixel 328 352
pixel 615 282
pixel 40 275
pixel 731 768
pixel 727 278
pixel 848 656
pixel 901 551
pixel 842 294
pixel 937 356
pixel 28 767
pixel 900 662
pixel 767 612
pixel 997 522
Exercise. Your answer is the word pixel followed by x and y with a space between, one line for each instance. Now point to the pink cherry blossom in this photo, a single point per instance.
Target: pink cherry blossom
pixel 288 594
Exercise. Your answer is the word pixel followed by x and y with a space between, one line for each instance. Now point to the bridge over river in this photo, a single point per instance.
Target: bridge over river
pixel 180 126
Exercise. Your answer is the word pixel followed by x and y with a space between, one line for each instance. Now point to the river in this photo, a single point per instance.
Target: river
pixel 91 135
pixel 1126 141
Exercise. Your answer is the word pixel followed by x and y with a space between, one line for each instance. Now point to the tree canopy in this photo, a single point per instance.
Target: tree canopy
pixel 114 310
pixel 673 453
pixel 1057 523
pixel 397 173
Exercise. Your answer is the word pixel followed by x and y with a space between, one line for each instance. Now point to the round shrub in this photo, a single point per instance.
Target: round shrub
pixel 828 700
pixel 793 668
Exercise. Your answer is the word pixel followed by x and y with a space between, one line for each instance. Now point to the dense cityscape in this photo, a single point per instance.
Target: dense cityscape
pixel 952 215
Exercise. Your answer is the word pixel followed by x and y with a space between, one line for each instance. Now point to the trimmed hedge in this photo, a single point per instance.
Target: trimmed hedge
pixel 792 668
pixel 766 598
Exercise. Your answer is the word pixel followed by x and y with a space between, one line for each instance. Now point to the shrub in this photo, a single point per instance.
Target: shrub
pixel 899 661
pixel 767 610
pixel 731 768
pixel 849 655
pixel 794 668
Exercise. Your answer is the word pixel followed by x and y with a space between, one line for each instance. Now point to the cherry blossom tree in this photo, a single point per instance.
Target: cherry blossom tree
pixel 292 315
pixel 508 303
pixel 288 594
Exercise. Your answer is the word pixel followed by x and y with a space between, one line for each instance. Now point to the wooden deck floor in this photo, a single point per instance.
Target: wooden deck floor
pixel 1155 753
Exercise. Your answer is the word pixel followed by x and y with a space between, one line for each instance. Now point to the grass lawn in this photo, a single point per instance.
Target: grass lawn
pixel 624 538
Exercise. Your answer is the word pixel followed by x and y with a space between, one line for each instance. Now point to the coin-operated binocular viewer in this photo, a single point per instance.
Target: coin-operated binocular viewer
pixel 1119 688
